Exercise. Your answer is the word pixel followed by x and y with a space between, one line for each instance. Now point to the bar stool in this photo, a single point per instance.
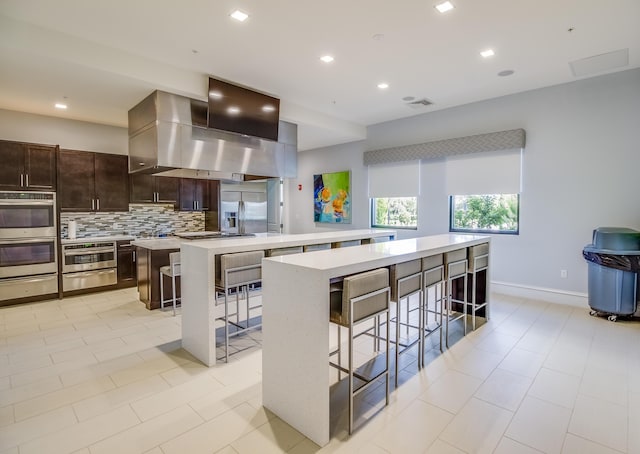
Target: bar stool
pixel 432 278
pixel 478 261
pixel 406 281
pixel 238 271
pixel 364 297
pixel 171 270
pixel 455 266
pixel 316 247
pixel 284 251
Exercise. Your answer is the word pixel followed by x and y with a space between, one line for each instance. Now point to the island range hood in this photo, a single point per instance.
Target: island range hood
pixel 168 136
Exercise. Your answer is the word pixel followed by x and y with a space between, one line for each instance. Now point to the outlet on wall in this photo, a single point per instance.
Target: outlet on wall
pixel 563 274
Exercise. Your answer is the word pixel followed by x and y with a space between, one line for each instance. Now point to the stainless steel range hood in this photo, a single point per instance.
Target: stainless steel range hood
pixel 168 136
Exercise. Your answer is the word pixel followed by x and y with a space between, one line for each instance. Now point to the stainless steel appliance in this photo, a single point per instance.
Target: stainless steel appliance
pixel 88 264
pixel 243 208
pixel 28 251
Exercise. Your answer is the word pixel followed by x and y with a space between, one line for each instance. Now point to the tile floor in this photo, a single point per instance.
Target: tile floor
pixel 101 374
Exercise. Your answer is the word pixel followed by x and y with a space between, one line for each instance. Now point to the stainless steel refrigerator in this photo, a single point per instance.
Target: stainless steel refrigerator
pixel 243 208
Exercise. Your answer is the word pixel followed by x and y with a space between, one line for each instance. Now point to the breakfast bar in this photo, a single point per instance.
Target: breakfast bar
pixel 198 270
pixel 295 295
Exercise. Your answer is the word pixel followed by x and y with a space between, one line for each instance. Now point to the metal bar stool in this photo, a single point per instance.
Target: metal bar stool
pixel 364 297
pixel 455 268
pixel 238 271
pixel 432 278
pixel 406 281
pixel 171 270
pixel 478 261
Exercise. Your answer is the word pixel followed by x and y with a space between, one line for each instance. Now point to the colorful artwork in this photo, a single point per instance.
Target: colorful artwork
pixel 332 197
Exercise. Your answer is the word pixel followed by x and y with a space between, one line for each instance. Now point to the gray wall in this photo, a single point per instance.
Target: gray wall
pixel 71 134
pixel 581 171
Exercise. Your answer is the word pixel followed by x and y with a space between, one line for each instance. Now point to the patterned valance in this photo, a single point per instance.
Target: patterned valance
pixel 493 141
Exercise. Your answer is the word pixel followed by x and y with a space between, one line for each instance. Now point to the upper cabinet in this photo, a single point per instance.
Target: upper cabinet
pixel 195 194
pixel 151 189
pixel 27 167
pixel 93 181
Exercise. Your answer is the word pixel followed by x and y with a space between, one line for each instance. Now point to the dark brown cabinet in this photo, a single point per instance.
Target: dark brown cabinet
pixel 195 194
pixel 151 189
pixel 92 181
pixel 126 264
pixel 27 167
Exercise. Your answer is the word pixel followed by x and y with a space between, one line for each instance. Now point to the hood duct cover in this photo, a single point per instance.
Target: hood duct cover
pixel 168 136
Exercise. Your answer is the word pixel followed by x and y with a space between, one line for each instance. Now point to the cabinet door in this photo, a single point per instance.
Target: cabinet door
pixel 112 182
pixel 126 264
pixel 187 194
pixel 76 176
pixel 168 189
pixel 12 168
pixel 143 188
pixel 40 167
pixel 203 195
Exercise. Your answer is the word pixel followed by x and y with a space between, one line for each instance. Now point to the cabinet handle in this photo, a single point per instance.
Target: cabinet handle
pixel 93 204
pixel 26 177
pixel 134 256
pixel 98 204
pixel 22 180
pixel 155 196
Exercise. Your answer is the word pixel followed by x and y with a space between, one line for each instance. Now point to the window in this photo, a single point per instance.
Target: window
pixel 487 213
pixel 396 212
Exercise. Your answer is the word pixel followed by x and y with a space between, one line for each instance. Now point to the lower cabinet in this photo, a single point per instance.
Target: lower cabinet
pixel 148 263
pixel 127 276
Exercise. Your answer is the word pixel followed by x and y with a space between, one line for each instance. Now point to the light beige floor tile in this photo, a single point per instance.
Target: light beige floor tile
pixel 6 416
pixel 61 397
pixel 306 446
pixel 497 342
pixel 143 370
pixel 441 447
pixel 5 382
pixel 224 399
pixel 451 391
pixel 29 429
pixel 606 384
pixel 110 400
pixel 504 389
pixel 634 422
pixel 555 387
pixel 482 425
pixel 522 362
pixel 25 367
pixel 217 433
pixel 414 429
pixel 540 425
pixel 13 450
pixel 155 450
pixel 29 391
pixel 509 446
pixel 171 398
pixel 31 376
pixel 70 354
pixel 100 369
pixel 149 434
pixel 478 363
pixel 569 360
pixel 577 445
pixel 600 421
pixel 275 436
pixel 226 450
pixel 45 350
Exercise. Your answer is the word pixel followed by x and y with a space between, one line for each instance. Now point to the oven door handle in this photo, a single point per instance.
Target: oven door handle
pixel 89 251
pixel 27 202
pixel 27 240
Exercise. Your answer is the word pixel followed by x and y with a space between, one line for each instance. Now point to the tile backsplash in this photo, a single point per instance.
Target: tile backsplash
pixel 141 220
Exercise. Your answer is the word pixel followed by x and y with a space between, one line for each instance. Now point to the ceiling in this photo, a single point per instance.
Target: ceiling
pixel 103 57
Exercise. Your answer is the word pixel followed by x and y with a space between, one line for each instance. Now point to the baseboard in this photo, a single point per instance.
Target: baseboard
pixel 540 293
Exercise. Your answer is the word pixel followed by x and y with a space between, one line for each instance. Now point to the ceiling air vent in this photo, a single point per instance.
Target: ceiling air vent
pixel 419 104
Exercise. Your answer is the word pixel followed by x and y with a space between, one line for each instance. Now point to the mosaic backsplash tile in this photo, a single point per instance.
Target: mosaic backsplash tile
pixel 141 220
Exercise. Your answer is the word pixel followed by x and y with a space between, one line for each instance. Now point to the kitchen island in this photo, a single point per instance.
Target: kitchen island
pixel 152 254
pixel 198 277
pixel 295 296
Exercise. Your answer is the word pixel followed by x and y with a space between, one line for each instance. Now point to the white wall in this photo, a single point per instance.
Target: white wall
pixel 70 134
pixel 581 171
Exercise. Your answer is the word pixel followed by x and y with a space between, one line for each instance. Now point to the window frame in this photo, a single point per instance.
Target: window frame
pixel 483 231
pixel 373 225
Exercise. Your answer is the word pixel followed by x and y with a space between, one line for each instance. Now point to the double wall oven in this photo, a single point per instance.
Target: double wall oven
pixel 28 251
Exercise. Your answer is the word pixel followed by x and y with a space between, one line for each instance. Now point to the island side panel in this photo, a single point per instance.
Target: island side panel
pixel 197 270
pixel 295 349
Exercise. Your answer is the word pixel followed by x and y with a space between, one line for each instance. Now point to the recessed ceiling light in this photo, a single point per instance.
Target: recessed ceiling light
pixel 487 53
pixel 506 72
pixel 60 106
pixel 233 110
pixel 239 15
pixel 383 85
pixel 444 7
pixel 326 58
pixel 268 108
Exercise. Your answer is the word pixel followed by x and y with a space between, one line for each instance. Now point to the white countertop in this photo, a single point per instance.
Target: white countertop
pixel 158 244
pixel 88 239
